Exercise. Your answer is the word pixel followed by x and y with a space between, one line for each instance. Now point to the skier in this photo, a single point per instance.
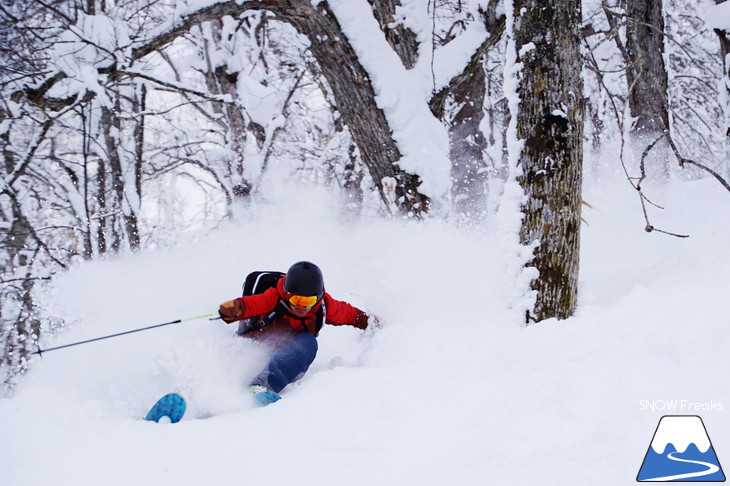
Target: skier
pixel 288 317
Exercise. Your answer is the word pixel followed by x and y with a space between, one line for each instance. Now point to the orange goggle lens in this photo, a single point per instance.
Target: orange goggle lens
pixel 302 301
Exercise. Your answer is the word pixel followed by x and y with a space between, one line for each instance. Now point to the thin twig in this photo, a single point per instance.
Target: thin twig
pixel 684 160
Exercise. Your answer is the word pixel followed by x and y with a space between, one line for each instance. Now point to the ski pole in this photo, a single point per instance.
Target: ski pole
pixel 176 321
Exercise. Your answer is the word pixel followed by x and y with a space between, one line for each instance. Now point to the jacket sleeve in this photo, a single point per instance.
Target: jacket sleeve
pixel 258 304
pixel 340 312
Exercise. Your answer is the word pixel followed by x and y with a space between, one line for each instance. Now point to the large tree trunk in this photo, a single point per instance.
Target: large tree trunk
pixel 645 71
pixel 466 147
pixel 467 144
pixel 14 241
pixel 19 326
pixel 550 121
pixel 648 84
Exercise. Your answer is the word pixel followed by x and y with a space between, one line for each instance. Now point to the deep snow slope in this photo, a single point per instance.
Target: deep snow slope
pixel 453 390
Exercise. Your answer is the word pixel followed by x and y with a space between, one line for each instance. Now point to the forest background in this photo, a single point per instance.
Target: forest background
pixel 127 126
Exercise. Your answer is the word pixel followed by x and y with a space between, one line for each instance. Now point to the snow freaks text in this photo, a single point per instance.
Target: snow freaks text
pixel 680 406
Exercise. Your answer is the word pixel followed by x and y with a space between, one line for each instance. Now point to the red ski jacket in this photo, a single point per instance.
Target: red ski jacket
pixel 336 312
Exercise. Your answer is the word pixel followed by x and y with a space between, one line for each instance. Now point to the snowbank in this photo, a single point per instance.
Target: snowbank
pixel 453 390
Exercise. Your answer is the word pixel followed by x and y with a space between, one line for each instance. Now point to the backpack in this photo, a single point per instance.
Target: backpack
pixel 259 282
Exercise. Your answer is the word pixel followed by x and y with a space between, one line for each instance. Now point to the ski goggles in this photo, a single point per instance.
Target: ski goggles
pixel 302 300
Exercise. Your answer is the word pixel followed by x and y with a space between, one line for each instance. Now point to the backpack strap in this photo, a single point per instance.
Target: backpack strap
pixel 320 318
pixel 278 311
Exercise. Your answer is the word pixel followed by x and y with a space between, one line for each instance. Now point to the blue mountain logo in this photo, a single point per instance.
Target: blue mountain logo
pixel 681 451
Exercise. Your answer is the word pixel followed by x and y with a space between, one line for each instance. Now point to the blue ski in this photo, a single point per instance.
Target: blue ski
pixel 171 405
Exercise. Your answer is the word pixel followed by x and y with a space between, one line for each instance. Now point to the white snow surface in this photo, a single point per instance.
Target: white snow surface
pixel 452 390
pixel 717 15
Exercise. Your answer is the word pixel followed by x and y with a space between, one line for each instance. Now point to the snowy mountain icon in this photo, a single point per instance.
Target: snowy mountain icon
pixel 681 451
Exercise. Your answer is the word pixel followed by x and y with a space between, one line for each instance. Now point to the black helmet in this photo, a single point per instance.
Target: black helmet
pixel 304 278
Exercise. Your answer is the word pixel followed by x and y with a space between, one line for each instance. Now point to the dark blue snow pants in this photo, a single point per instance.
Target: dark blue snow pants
pixel 289 362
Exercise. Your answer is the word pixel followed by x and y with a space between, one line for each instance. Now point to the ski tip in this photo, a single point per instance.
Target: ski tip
pixel 266 398
pixel 171 406
pixel 262 395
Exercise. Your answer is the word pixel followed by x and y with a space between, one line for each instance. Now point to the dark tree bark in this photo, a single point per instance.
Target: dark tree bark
pixel 646 73
pixel 550 122
pixel 103 230
pixel 467 92
pixel 226 82
pixel 402 40
pixel 18 321
pixel 111 128
pixel 139 106
pixel 85 218
pixel 353 176
pixel 725 51
pixel 466 147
